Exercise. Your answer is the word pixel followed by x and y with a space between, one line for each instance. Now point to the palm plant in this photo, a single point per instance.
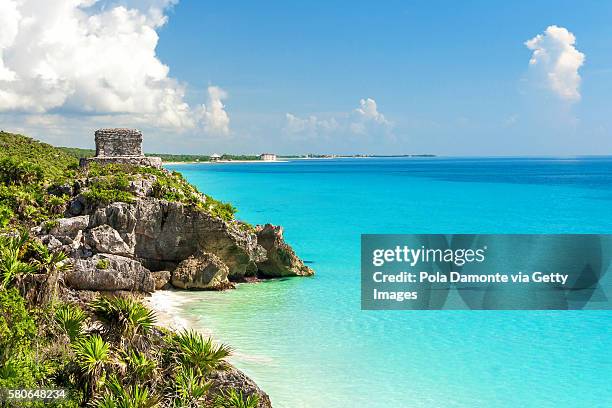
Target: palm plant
pixel 189 388
pixel 124 317
pixel 51 263
pixel 140 367
pixel 236 399
pixel 12 249
pixel 92 354
pixel 105 401
pixel 70 320
pixel 198 353
pixel 118 396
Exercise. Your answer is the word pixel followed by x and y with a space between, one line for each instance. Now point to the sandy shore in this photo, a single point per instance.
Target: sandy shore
pixel 166 304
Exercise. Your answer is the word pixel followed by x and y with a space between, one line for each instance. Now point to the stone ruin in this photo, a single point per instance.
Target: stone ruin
pixel 120 146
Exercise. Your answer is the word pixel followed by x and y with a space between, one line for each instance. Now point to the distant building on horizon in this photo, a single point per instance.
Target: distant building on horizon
pixel 267 157
pixel 215 157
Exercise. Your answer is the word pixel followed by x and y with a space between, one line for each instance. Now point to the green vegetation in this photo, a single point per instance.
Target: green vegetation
pixel 201 355
pixel 12 250
pixel 124 318
pixel 225 211
pixel 235 399
pixel 52 161
pixel 239 157
pixel 38 181
pixel 29 171
pixel 108 354
pixel 77 152
pixel 70 320
pixel 103 264
pixel 182 158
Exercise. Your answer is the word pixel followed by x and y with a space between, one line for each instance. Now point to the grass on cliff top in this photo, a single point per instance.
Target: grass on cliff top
pixel 113 184
pixel 32 174
pixel 54 162
pixel 29 170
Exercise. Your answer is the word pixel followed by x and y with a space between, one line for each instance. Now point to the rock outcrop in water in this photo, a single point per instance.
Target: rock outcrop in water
pixel 280 259
pixel 201 270
pixel 162 234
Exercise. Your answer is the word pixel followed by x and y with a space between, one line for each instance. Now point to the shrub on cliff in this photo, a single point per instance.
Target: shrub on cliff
pixel 236 399
pixel 12 264
pixel 28 170
pixel 198 353
pixel 54 163
pixel 102 196
pixel 13 171
pixel 225 211
pixel 70 319
pixel 124 317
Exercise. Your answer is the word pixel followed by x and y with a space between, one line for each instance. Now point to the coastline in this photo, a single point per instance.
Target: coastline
pixel 165 304
pixel 225 161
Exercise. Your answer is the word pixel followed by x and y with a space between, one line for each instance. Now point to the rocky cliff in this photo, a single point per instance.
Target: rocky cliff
pixel 117 245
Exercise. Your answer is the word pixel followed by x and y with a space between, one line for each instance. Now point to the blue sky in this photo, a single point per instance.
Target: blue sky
pixel 450 78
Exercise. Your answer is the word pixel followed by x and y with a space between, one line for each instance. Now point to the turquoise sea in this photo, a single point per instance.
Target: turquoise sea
pixel 306 341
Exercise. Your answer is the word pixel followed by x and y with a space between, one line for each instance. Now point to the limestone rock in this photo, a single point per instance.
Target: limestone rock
pixel 162 279
pixel 69 226
pixel 77 206
pixel 281 259
pixel 201 271
pixel 143 186
pixel 165 233
pixel 224 380
pixel 106 239
pixel 109 272
pixel 51 242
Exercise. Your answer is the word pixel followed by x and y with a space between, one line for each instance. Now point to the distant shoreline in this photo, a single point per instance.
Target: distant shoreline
pixel 287 159
pixel 224 161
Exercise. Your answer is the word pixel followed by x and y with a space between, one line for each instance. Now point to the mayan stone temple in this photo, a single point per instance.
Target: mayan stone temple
pixel 120 146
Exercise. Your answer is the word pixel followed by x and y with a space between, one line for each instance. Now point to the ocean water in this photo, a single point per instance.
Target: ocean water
pixel 306 341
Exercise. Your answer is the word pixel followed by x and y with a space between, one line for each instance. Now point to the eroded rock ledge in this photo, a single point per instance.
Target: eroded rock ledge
pixel 117 246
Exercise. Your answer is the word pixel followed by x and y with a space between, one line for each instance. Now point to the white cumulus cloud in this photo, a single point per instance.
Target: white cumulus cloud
pixel 95 58
pixel 213 115
pixel 369 111
pixel 557 60
pixel 366 119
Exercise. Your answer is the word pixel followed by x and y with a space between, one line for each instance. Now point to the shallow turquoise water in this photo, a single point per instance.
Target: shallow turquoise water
pixel 306 341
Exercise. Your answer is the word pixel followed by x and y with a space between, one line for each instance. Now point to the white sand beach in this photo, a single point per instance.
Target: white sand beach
pixel 166 304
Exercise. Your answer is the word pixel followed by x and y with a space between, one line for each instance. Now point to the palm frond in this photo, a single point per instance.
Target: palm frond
pixel 236 399
pixel 199 353
pixel 119 396
pixel 139 365
pixel 91 353
pixel 124 316
pixel 70 319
